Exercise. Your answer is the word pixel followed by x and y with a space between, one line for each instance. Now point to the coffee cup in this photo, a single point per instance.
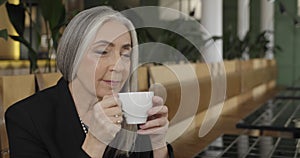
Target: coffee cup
pixel 135 106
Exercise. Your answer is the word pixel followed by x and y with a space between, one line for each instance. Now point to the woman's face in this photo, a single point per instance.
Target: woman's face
pixel 107 60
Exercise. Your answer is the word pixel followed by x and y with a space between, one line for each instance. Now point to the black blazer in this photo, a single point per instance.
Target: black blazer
pixel 47 125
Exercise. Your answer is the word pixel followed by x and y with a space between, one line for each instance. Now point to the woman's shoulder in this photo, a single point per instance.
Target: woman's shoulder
pixel 40 103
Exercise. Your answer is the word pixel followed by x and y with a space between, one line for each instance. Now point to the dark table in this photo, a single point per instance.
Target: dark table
pixel 289 93
pixel 243 146
pixel 276 115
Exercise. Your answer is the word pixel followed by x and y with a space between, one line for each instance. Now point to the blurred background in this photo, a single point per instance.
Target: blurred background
pixel 227 69
pixel 243 26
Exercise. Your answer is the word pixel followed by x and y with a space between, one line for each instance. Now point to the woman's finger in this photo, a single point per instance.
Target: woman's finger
pixel 162 110
pixel 151 131
pixel 154 130
pixel 157 101
pixel 113 111
pixel 110 101
pixel 158 122
pixel 116 120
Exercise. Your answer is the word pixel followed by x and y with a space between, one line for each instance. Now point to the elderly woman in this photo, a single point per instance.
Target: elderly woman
pixel 81 116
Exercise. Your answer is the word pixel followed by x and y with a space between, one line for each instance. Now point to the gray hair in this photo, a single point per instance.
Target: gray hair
pixel 81 31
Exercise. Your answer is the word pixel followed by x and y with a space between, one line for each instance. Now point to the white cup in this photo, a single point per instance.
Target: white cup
pixel 135 106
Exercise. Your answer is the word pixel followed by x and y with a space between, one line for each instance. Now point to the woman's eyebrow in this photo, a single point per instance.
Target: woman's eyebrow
pixel 104 42
pixel 126 45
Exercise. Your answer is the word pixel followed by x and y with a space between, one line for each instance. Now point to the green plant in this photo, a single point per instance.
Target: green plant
pixel 182 42
pixel 171 38
pixel 255 45
pixel 53 13
pixel 234 46
pixel 262 44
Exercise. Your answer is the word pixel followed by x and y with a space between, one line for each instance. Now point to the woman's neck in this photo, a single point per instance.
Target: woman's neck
pixel 83 99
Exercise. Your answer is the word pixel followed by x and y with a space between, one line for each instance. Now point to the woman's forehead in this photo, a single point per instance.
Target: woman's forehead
pixel 112 30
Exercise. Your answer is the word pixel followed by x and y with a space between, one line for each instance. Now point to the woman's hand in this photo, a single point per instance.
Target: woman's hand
pixel 157 124
pixel 106 119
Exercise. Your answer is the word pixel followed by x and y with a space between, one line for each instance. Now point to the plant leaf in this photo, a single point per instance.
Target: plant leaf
pixel 16 14
pixel 25 42
pixel 4 34
pixel 53 11
pixel 56 25
pixel 55 14
pixel 46 8
pixel 2 2
pixel 31 52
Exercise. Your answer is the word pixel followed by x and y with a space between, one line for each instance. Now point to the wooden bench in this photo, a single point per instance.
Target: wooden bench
pixel 12 89
pixel 248 84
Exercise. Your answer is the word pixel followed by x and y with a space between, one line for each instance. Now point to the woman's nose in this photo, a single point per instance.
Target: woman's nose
pixel 116 63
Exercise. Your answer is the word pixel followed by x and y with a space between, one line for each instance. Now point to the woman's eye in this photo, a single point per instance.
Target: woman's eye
pixel 126 54
pixel 101 52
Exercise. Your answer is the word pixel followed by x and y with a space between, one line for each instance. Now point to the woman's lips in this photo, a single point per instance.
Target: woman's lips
pixel 112 83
